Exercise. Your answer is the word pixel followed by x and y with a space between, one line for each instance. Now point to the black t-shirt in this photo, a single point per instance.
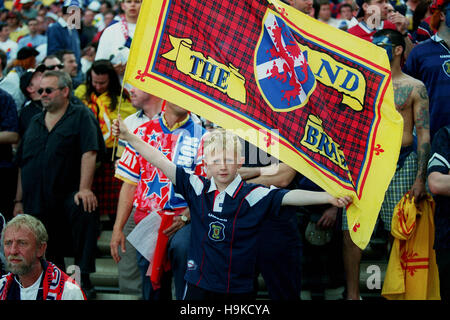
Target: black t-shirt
pixel 440 162
pixel 51 161
pixel 8 122
pixel 29 110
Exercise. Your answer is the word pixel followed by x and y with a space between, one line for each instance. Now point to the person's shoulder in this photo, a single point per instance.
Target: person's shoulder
pixel 195 179
pixel 12 43
pixel 80 90
pixel 112 29
pixel 195 122
pixel 422 48
pixel 6 97
pixel 54 26
pixel 355 30
pixel 443 134
pixel 255 193
pixel 4 93
pixel 78 107
pixel 22 41
pixel 411 81
pixel 132 117
pixel 151 124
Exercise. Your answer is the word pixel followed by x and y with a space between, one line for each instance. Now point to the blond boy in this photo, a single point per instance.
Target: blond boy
pixel 225 214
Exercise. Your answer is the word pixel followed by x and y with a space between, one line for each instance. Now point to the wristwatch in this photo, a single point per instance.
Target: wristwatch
pixel 184 218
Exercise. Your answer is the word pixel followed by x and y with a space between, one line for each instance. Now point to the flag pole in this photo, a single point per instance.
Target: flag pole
pixel 118 113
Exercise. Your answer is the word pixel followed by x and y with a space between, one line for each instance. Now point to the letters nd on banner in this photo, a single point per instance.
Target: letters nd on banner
pixel 319 99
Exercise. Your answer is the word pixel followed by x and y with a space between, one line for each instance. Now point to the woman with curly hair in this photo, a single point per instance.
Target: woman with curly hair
pixel 101 94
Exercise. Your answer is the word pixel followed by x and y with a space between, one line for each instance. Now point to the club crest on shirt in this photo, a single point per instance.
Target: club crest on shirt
pixel 216 231
pixel 191 265
pixel 446 67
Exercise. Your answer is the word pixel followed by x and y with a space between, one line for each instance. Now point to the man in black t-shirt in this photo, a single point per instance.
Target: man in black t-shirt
pixel 57 159
pixel 8 137
pixel 439 183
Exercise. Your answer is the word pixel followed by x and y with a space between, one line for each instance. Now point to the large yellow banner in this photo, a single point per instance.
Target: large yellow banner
pixel 317 98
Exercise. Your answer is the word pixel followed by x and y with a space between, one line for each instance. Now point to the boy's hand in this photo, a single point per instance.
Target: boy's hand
pixel 341 202
pixel 119 129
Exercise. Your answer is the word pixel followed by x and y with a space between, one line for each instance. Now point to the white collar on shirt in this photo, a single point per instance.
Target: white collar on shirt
pixel 436 38
pixel 231 189
pixel 62 22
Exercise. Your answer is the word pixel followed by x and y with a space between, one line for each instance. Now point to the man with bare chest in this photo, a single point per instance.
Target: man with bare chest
pixel 411 101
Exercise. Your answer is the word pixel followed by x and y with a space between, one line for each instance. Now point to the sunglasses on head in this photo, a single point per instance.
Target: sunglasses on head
pixel 48 90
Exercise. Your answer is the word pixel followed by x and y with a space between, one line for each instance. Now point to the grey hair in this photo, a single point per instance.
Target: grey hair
pixel 30 222
pixel 64 80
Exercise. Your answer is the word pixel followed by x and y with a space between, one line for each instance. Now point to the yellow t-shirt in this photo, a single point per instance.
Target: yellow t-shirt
pixel 19 32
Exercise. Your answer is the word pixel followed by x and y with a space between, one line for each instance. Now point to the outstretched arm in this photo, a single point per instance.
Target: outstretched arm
pixel 151 154
pixel 300 197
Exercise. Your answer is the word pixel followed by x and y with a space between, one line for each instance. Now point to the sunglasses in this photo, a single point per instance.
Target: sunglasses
pixel 59 66
pixel 48 90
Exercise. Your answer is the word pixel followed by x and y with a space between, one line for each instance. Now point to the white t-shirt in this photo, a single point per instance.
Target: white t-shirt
pixel 10 47
pixel 11 84
pixel 71 291
pixel 112 40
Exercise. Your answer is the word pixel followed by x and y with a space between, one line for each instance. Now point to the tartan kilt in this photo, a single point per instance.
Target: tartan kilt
pixel 399 186
pixel 106 188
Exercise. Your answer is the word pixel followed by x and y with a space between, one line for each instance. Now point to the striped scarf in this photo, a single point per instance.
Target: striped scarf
pixel 51 287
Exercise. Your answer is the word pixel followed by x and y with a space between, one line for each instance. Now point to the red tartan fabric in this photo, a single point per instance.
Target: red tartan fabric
pixel 106 188
pixel 223 42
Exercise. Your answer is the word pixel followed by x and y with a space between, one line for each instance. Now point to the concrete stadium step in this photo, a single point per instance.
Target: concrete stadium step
pixel 115 296
pixel 105 279
pixel 106 273
pixel 103 243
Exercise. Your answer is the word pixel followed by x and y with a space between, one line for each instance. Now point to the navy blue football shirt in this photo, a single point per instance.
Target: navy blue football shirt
pixel 222 253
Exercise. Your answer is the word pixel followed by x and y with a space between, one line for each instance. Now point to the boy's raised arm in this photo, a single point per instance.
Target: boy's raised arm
pixel 151 154
pixel 300 197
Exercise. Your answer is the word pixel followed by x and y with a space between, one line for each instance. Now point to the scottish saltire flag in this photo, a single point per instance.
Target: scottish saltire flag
pixel 317 98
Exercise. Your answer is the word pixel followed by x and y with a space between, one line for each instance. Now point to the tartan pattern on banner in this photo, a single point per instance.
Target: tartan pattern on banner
pixel 199 22
pixel 204 23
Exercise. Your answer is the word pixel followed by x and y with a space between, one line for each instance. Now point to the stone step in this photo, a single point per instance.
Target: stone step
pixel 115 296
pixel 103 243
pixel 105 279
pixel 106 273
